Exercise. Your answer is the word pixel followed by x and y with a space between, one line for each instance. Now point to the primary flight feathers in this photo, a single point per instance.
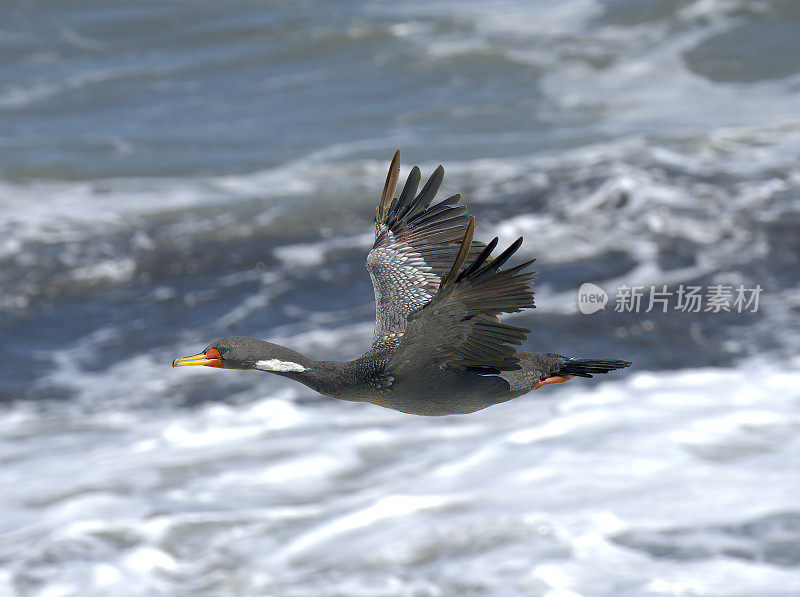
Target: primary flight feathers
pixel 459 328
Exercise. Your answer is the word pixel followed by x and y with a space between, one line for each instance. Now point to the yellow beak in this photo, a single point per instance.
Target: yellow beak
pixel 209 359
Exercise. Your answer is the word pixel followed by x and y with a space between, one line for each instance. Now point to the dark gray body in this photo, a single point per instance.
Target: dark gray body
pixel 410 384
pixel 431 392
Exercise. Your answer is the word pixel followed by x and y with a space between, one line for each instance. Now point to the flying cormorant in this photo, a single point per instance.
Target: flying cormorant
pixel 438 347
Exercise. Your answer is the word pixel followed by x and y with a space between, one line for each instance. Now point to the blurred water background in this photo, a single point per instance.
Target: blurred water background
pixel 174 172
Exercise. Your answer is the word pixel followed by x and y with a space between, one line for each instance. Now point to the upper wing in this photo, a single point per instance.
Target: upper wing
pixel 415 244
pixel 459 328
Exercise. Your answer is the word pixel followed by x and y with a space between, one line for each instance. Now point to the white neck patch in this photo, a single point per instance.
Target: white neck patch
pixel 278 365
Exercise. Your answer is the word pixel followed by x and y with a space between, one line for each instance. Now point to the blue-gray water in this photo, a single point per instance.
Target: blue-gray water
pixel 174 172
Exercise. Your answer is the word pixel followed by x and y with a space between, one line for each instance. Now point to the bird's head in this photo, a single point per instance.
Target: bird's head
pixel 238 352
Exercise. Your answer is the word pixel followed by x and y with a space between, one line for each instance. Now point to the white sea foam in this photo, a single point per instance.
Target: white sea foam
pixel 67 211
pixel 162 502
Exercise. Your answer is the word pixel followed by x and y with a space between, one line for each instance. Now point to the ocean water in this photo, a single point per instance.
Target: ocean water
pixel 172 173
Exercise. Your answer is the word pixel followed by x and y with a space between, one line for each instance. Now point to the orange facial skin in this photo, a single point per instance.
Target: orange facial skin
pixel 209 358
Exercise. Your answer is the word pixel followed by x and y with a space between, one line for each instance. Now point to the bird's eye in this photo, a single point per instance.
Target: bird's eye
pixel 222 350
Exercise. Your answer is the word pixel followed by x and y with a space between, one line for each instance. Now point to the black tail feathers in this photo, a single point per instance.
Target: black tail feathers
pixel 589 367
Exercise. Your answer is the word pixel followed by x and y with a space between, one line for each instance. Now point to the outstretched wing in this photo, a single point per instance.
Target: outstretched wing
pixel 415 244
pixel 459 328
